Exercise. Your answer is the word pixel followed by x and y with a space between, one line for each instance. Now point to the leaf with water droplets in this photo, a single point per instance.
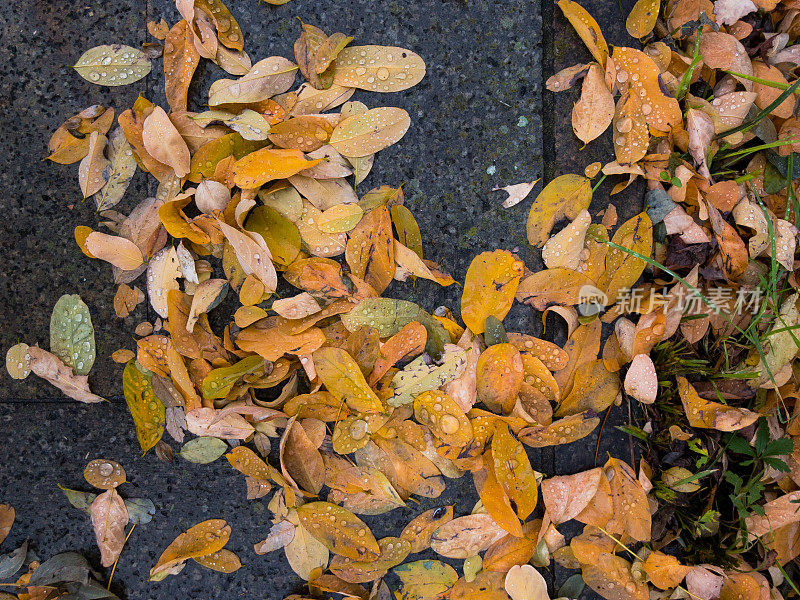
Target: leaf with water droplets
pixel 706 414
pixel 203 450
pixel 104 474
pixel 90 171
pixel 343 378
pixel 165 143
pixel 259 167
pixel 466 536
pixel 642 18
pixel 18 361
pixel 339 530
pixel 592 114
pixel 112 65
pixel 109 518
pixel 587 28
pixel 49 367
pixel 561 431
pixel 268 77
pixel 565 196
pixel 489 288
pixel 163 272
pixel 200 540
pixel 369 132
pixel 250 125
pixel 147 410
pixel 222 561
pixel 641 380
pixel 425 579
pixel 378 68
pixel 499 377
pixel 513 470
pixel 623 269
pixel 118 171
pixel 440 413
pixel 180 61
pixel 304 132
pixel 228 30
pixel 422 374
pixel 72 333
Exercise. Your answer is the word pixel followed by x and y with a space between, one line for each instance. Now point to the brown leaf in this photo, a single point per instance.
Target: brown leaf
pixel 109 518
pixel 49 367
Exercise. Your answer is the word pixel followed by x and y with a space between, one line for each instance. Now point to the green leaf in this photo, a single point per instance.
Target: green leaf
pixel 740 445
pixel 112 65
pixel 140 510
pixel 219 382
pixel 777 464
pixel 779 447
pixel 80 500
pixel 203 450
pixel 72 333
pixel 389 316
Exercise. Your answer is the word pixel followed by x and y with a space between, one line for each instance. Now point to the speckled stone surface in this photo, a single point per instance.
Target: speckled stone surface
pixel 480 120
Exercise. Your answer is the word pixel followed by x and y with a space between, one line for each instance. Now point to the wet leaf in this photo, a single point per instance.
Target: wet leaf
pixel 104 474
pixel 165 143
pixel 378 68
pixel 466 536
pixel 268 77
pixel 513 470
pixel 203 450
pixel 489 288
pixel 419 376
pixel 117 173
pixel 587 29
pixel 706 414
pixel 146 408
pixel 642 18
pixel 339 530
pixel 180 62
pixel 6 520
pixel 200 540
pixel 425 579
pixel 344 379
pixel 72 333
pixel 592 114
pixel 306 555
pixel 113 65
pixel 109 518
pixel 664 571
pixel 565 196
pixel 267 164
pixel 93 165
pixel 49 367
pixel 370 132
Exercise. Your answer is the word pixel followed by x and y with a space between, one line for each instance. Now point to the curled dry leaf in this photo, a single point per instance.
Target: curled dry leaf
pixel 200 540
pixel 49 367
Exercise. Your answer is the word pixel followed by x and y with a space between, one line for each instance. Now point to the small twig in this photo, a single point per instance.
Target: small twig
pixel 114 568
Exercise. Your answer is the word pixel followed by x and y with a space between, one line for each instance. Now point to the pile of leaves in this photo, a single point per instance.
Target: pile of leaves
pixel 337 402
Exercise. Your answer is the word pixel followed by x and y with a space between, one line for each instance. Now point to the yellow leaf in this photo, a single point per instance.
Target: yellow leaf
pixel 489 288
pixel 642 18
pixel 339 530
pixel 587 28
pixel 366 133
pixel 565 196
